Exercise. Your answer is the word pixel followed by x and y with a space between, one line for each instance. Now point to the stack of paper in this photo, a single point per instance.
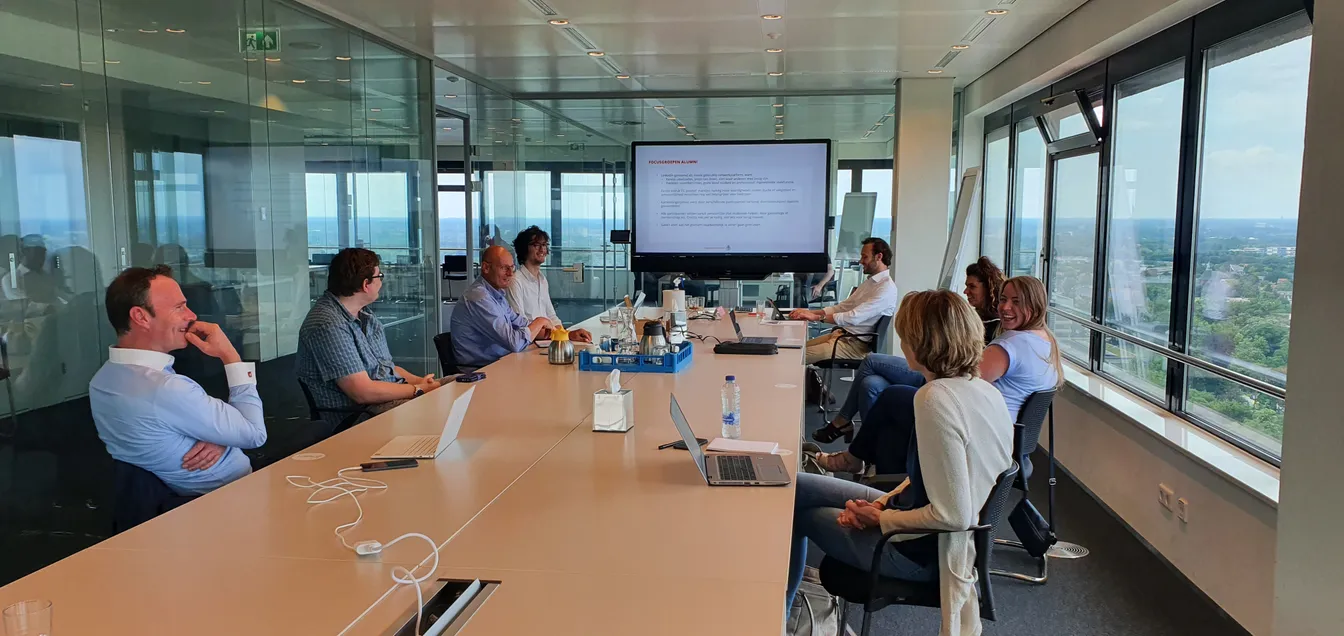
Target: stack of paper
pixel 721 445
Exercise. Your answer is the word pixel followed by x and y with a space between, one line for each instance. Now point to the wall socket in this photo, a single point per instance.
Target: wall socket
pixel 1183 510
pixel 1165 496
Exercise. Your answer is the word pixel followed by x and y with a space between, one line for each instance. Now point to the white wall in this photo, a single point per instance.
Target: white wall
pixel 1310 575
pixel 1094 31
pixel 923 152
pixel 1226 549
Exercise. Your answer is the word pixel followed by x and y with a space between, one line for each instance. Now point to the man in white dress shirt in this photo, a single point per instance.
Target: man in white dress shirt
pixel 529 294
pixel 858 314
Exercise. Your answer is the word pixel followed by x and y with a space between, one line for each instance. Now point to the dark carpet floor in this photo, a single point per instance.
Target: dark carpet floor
pixel 1120 589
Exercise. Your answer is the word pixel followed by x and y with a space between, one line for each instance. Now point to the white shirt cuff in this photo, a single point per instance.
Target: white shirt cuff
pixel 240 373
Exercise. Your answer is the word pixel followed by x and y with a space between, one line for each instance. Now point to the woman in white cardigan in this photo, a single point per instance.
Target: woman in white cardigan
pixel 964 438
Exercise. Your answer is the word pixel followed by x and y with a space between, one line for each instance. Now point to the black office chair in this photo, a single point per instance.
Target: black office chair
pixel 455 268
pixel 875 592
pixel 352 413
pixel 447 359
pixel 877 341
pixel 140 496
pixel 1035 534
pixel 829 292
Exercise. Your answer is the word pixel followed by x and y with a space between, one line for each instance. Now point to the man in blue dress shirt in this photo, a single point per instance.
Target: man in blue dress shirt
pixel 163 422
pixel 484 327
pixel 343 357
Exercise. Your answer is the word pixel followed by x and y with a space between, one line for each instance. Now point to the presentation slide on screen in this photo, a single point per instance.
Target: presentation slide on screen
pixel 730 199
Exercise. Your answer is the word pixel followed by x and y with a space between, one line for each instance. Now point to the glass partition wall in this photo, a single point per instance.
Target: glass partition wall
pixel 241 142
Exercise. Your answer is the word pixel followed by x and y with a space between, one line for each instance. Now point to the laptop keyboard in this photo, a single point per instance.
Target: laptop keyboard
pixel 759 340
pixel 736 468
pixel 423 446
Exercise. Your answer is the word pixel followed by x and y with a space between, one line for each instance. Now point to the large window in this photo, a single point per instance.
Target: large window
pixel 1145 173
pixel 1028 202
pixel 591 205
pixel 1186 209
pixel 879 181
pixel 1250 167
pixel 994 228
pixel 452 212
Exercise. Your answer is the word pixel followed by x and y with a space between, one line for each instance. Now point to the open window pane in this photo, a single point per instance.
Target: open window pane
pixel 1028 202
pixel 994 227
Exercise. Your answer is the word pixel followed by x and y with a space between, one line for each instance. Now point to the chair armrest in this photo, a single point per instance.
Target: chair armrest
pixel 342 409
pixel 886 541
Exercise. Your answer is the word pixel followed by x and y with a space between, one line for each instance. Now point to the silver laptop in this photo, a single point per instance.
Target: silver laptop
pixel 752 340
pixel 730 470
pixel 782 343
pixel 429 446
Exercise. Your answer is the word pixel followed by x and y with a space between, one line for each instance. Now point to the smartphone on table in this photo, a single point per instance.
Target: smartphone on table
pixel 391 464
pixel 471 377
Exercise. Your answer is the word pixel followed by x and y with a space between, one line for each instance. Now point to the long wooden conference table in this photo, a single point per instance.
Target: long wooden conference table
pixel 586 532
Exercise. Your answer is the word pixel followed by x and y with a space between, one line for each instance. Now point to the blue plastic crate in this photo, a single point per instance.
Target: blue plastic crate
pixel 634 363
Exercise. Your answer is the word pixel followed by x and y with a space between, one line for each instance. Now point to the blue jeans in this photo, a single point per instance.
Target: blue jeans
pixel 877 372
pixel 817 503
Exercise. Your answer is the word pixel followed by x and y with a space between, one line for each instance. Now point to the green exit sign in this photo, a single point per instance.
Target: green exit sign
pixel 258 40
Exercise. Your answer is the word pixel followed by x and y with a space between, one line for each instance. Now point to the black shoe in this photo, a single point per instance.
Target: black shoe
pixel 830 433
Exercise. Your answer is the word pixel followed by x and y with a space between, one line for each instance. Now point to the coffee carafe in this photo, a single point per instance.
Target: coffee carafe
pixel 561 350
pixel 654 342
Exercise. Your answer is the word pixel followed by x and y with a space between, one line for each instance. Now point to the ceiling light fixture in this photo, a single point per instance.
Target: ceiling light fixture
pixel 111 30
pixel 450 96
pixel 272 59
pixel 997 12
pixel 774 50
pixel 935 71
pixel 342 79
pixel 779 117
pixel 681 126
pixel 111 61
pixel 67 84
pixel 203 83
pixel 185 82
pixel 671 118
pixel 960 47
pixel 659 107
pixel 771 16
pixel 779 132
pixel 559 134
pixel 596 54
pixel 622 76
pixel 375 110
pixel 775 73
pixel 176 30
pixel 324 80
pixel 559 22
pixel 299 81
pixel 447 129
pixel 516 120
pixel 149 30
pixel 343 58
pixel 778 105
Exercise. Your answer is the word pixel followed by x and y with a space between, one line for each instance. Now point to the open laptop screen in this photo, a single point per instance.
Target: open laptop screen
pixel 688 436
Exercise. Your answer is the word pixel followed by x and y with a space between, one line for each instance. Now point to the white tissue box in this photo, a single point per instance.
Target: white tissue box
pixel 613 412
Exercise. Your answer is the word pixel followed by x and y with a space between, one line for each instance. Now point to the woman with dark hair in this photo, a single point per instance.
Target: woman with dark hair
pixel 1022 360
pixel 984 281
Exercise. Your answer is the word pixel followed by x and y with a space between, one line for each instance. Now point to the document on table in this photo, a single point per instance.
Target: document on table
pixel 721 445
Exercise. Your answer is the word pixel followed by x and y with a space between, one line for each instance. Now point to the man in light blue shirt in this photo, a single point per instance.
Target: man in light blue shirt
pixel 163 422
pixel 484 327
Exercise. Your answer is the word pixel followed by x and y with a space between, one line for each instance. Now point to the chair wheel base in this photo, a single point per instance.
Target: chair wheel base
pixel 1042 566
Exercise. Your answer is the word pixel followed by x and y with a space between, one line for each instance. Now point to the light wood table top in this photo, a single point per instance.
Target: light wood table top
pixel 588 532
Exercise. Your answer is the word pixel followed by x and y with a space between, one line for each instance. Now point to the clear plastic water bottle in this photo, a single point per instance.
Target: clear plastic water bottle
pixel 732 409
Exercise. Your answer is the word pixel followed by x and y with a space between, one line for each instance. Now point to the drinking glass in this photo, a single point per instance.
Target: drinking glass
pixel 28 618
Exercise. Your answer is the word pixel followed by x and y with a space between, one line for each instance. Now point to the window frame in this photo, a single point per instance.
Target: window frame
pixel 1188 41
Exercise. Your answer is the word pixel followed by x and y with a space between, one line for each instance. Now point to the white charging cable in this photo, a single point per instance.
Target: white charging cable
pixel 349 487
